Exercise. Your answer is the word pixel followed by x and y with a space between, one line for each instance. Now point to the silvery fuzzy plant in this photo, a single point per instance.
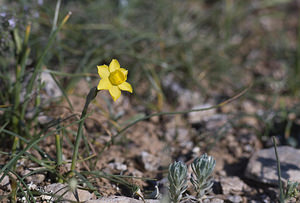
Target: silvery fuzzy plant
pixel 177 181
pixel 201 178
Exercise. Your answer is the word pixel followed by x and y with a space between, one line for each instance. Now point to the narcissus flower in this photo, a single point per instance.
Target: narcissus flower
pixel 113 79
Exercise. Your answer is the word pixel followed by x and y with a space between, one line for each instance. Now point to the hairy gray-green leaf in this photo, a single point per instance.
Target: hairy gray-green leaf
pixel 177 181
pixel 201 178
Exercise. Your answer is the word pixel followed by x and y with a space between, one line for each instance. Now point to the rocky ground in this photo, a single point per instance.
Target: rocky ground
pixel 245 163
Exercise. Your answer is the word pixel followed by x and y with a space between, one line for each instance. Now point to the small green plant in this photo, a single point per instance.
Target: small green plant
pixel 201 178
pixel 177 181
pixel 291 188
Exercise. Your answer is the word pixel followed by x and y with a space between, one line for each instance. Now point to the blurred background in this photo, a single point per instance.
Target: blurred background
pixel 171 48
pixel 203 45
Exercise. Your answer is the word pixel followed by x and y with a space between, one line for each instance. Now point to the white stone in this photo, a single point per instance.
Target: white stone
pixel 121 199
pixel 58 189
pixel 235 199
pixel 232 185
pixel 150 162
pixel 262 166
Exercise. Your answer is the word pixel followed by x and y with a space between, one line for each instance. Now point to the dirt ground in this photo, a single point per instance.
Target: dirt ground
pixel 146 149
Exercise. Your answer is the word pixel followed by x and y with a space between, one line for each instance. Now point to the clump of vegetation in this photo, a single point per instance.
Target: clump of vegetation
pixel 201 178
pixel 291 190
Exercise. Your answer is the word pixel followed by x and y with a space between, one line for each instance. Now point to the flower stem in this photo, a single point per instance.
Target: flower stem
pixel 281 196
pixel 58 153
pixel 13 181
pixel 92 94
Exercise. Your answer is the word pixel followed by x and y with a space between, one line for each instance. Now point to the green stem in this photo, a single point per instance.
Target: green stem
pixel 58 154
pixel 92 94
pixel 54 26
pixel 14 185
pixel 58 150
pixel 22 52
pixel 297 67
pixel 281 197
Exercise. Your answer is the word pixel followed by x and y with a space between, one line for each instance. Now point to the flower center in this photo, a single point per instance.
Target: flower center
pixel 117 77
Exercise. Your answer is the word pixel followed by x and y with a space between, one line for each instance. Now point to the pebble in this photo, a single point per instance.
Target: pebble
pixel 5 182
pixel 214 200
pixel 120 199
pixel 35 178
pixel 51 88
pixel 63 189
pixel 118 166
pixel 232 185
pixel 235 199
pixel 43 119
pixel 150 162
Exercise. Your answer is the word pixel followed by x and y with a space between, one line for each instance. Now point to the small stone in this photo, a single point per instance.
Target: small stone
pixel 62 189
pixel 43 119
pixel 248 148
pixel 32 186
pixel 51 88
pixel 118 166
pixel 5 182
pixel 150 162
pixel 46 197
pixel 235 199
pixel 262 165
pixel 35 178
pixel 232 185
pixel 206 201
pixel 121 199
pixel 216 200
pixel 196 150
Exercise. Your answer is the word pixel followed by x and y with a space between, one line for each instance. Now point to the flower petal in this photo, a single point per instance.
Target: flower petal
pixel 103 71
pixel 104 84
pixel 125 86
pixel 124 71
pixel 115 92
pixel 114 65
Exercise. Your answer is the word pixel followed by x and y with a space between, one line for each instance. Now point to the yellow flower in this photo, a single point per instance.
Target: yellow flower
pixel 113 79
